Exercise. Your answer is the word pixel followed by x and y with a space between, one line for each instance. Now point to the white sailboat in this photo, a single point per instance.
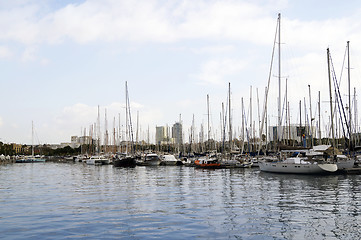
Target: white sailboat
pixel 32 158
pixel 300 163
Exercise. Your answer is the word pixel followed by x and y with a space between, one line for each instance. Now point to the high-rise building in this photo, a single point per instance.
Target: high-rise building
pixel 161 134
pixel 177 133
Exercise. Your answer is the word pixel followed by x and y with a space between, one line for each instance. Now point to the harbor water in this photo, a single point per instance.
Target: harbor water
pixel 77 201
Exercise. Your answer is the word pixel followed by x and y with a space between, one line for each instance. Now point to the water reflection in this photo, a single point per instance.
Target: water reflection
pixel 75 200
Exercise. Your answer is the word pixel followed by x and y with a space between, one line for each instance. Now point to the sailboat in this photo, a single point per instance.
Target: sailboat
pixel 32 158
pixel 210 160
pixel 343 162
pixel 98 159
pixel 125 159
pixel 298 162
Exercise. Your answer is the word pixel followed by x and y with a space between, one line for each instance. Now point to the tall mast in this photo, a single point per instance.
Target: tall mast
pixel 301 123
pixel 279 76
pixel 137 132
pixel 98 131
pixel 129 116
pixel 208 128
pixel 126 118
pixel 319 117
pixel 250 118
pixel 311 119
pixel 330 91
pixel 307 127
pixel 114 141
pixel 355 114
pixel 230 117
pixel 106 135
pixel 286 122
pixel 242 107
pixel 349 93
pixel 32 138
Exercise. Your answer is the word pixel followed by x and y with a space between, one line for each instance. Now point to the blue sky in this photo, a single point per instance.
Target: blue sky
pixel 61 59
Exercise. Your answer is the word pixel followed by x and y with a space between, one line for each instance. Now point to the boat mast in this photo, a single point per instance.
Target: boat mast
pixel 279 77
pixel 208 128
pixel 126 119
pixel 243 137
pixel 129 117
pixel 301 132
pixel 98 132
pixel 309 93
pixel 230 117
pixel 264 113
pixel 286 122
pixel 355 116
pixel 349 94
pixel 106 135
pixel 250 120
pixel 319 117
pixel 331 107
pixel 32 138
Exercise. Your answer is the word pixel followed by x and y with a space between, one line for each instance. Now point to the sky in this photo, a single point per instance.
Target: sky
pixel 60 60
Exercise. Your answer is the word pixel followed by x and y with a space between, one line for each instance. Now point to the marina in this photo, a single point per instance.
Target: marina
pixel 180 120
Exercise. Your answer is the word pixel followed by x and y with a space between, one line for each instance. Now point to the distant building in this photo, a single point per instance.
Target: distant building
pixel 18 148
pixel 161 134
pixel 85 140
pixel 177 133
pixel 77 141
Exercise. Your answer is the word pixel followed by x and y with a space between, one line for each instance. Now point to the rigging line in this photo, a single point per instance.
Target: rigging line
pixel 130 120
pixel 225 124
pixel 339 99
pixel 283 110
pixel 343 65
pixel 338 93
pixel 246 128
pixel 269 79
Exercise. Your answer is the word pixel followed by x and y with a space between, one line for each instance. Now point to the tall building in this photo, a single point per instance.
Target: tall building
pixel 177 133
pixel 161 134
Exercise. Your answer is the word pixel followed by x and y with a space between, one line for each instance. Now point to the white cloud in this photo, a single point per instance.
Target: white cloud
pixel 5 52
pixel 214 49
pixel 154 21
pixel 215 71
pixel 29 54
pixel 147 20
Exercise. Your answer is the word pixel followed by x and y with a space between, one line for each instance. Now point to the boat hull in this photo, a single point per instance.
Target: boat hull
pixel 97 161
pixel 210 165
pixel 280 167
pixel 124 162
pixel 150 160
pixel 346 163
pixel 30 160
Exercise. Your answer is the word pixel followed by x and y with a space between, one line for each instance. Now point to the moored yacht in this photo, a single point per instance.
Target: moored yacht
pixel 169 160
pixel 207 162
pixel 299 165
pixel 150 159
pixel 98 160
pixel 124 160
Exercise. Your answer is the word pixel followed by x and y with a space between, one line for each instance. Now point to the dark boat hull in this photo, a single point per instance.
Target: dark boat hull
pixel 124 162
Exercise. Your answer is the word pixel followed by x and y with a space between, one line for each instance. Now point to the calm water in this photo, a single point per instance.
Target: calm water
pixel 62 201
